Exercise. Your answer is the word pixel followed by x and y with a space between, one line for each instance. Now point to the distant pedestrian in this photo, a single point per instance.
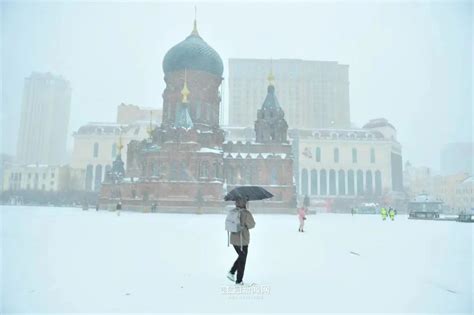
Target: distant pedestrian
pixel 97 207
pixel 383 212
pixel 391 213
pixel 118 208
pixel 301 217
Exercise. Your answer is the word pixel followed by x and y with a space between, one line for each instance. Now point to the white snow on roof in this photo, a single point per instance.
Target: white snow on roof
pixel 210 150
pixel 265 155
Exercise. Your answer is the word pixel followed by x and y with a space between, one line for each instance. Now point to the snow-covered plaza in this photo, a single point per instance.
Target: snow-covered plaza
pixel 69 260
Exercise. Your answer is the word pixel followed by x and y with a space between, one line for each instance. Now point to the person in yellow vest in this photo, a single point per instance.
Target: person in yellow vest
pixel 391 213
pixel 383 212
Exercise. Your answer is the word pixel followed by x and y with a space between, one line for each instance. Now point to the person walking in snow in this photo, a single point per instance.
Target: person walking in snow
pixel 391 213
pixel 301 217
pixel 383 212
pixel 118 208
pixel 240 241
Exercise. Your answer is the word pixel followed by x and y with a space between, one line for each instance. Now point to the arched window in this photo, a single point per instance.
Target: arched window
pixel 217 170
pixel 174 170
pixel 314 182
pixel 204 170
pixel 360 182
pixel 89 177
pixel 198 111
pixel 230 175
pixel 372 155
pixel 378 183
pixel 156 169
pixel 96 150
pixel 350 183
pixel 368 183
pixel 318 154
pixel 114 150
pixel 274 179
pixel 332 182
pixel 342 182
pixel 323 185
pixel 304 181
pixel 183 171
pixel 354 155
pixel 98 176
pixel 336 155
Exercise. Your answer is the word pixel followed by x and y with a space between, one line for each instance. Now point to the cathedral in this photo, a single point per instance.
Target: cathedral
pixel 186 164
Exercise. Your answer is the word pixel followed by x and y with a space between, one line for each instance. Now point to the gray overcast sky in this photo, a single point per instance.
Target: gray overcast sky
pixel 410 62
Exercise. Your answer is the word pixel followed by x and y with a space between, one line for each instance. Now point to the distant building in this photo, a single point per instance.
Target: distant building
pixel 457 158
pixel 96 146
pixel 42 178
pixel 44 120
pixel 417 180
pixel 129 114
pixel 465 195
pixel 313 94
pixel 446 188
pixel 348 166
pixel 5 162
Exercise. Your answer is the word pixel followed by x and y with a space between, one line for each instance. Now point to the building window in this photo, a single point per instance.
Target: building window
pixel 89 177
pixel 98 176
pixel 114 150
pixel 350 183
pixel 323 182
pixel 332 182
pixel 378 183
pixel 372 155
pixel 314 182
pixel 304 181
pixel 342 182
pixel 336 155
pixel 360 182
pixel 318 154
pixel 44 175
pixel 354 155
pixel 368 183
pixel 204 171
pixel 52 175
pixel 96 150
pixel 174 170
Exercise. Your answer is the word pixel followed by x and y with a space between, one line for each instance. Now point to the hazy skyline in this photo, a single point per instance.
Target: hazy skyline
pixel 408 62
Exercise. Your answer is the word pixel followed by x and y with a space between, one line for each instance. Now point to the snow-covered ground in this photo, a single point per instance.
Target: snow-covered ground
pixel 69 260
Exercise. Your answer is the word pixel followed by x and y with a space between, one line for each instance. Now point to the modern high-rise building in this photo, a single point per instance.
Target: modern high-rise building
pixel 457 158
pixel 313 94
pixel 44 120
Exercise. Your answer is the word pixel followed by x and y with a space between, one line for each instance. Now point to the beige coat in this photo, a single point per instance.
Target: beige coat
pixel 247 222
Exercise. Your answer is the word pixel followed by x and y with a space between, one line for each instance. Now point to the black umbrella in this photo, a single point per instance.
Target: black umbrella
pixel 248 193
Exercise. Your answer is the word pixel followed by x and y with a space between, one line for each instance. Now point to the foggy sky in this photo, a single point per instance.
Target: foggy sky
pixel 408 62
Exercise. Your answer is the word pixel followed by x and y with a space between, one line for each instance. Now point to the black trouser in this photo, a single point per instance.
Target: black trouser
pixel 239 264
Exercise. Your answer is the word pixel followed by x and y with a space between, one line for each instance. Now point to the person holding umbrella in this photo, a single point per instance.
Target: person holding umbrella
pixel 238 223
pixel 240 241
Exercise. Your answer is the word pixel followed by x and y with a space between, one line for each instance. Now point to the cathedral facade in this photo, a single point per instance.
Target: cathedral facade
pixel 186 164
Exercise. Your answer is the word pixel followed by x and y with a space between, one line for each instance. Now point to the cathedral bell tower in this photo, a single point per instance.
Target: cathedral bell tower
pixel 271 126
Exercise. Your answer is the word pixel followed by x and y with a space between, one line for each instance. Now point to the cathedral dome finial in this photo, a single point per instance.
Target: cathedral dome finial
pixel 195 30
pixel 271 77
pixel 185 91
